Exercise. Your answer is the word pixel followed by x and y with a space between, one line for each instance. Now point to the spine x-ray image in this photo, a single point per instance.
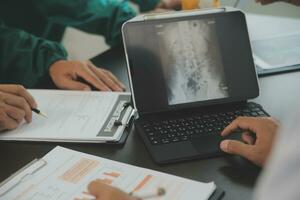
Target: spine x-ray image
pixel 191 61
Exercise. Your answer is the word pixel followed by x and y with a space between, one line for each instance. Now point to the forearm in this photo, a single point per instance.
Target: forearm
pixel 103 17
pixel 110 27
pixel 25 59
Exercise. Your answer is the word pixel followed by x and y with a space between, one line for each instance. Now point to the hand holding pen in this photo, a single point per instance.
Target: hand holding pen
pixel 16 105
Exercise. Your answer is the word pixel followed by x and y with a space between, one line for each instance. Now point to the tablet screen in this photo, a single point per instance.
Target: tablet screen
pixel 190 61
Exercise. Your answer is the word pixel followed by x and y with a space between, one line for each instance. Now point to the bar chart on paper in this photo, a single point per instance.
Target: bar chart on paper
pixel 68 173
pixel 138 182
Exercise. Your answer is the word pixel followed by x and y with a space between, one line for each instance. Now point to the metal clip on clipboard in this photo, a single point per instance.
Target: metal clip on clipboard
pixel 118 121
pixel 122 119
pixel 175 14
pixel 122 116
pixel 22 175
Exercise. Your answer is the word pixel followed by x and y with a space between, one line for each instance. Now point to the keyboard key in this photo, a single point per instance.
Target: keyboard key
pixel 184 138
pixel 165 141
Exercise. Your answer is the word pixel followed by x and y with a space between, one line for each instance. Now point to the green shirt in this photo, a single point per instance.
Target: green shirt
pixel 30 30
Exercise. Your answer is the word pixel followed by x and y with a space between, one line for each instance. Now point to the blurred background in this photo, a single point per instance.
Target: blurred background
pixel 83 46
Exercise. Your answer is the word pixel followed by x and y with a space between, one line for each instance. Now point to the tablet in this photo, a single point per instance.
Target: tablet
pixel 189 59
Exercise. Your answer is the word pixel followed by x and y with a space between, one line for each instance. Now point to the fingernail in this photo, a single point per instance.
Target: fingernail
pixel 224 145
pixel 28 120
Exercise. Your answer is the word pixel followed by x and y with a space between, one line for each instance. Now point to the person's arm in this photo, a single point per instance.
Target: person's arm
pixel 103 17
pixel 24 58
pixel 265 2
pixel 28 60
pixel 281 176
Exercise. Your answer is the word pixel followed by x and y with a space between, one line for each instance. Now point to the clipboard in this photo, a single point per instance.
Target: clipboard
pixel 76 117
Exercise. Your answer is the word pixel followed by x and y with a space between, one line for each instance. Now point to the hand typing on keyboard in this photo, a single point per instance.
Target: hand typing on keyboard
pixel 182 129
pixel 256 150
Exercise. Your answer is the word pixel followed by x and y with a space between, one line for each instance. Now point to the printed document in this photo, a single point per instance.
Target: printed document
pixel 71 116
pixel 275 52
pixel 275 40
pixel 65 174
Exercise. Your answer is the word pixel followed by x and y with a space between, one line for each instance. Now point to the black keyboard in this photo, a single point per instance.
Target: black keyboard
pixel 176 130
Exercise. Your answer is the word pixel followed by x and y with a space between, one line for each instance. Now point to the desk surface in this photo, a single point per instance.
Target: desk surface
pixel 235 175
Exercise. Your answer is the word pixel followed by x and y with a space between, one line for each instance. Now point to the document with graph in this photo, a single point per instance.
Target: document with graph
pixel 65 174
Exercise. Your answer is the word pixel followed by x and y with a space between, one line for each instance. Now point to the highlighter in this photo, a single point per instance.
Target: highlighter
pixel 196 4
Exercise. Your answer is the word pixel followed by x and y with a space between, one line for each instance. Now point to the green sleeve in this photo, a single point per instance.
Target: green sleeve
pixel 24 58
pixel 103 17
pixel 146 5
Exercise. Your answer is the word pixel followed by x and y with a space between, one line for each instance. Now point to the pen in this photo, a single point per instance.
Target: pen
pixel 37 111
pixel 160 192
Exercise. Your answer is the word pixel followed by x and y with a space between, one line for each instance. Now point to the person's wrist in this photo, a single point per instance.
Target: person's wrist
pixel 55 66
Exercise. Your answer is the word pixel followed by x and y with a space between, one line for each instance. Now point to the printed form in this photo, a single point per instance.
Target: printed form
pixel 70 115
pixel 67 174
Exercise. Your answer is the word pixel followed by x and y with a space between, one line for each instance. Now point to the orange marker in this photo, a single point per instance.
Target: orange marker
pixel 194 4
pixel 190 4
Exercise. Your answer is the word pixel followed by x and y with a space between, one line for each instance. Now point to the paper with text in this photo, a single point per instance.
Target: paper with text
pixel 275 52
pixel 71 115
pixel 274 40
pixel 68 173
